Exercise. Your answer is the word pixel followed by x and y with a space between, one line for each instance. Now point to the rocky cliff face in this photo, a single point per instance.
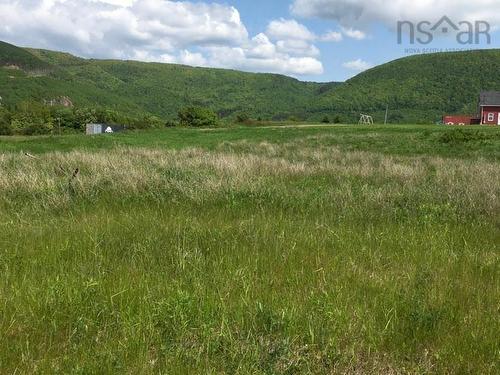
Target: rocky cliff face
pixel 63 101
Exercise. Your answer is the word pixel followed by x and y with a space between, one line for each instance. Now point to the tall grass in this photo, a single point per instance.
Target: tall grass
pixel 291 257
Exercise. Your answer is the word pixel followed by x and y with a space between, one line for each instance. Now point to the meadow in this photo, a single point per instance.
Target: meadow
pixel 268 250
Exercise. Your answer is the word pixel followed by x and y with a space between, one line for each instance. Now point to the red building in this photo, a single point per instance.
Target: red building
pixel 459 120
pixel 489 112
pixel 489 107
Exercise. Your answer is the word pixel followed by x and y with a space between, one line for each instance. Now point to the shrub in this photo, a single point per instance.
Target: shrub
pixel 5 126
pixel 28 124
pixel 461 136
pixel 197 117
pixel 325 120
pixel 242 117
pixel 65 118
pixel 31 118
pixel 84 116
pixel 103 115
pixel 395 117
pixel 148 122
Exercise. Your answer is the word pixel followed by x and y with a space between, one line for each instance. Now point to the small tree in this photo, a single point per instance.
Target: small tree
pixel 84 116
pixel 242 117
pixel 147 121
pixel 64 117
pixel 197 117
pixel 5 126
pixel 170 124
pixel 31 118
pixel 30 124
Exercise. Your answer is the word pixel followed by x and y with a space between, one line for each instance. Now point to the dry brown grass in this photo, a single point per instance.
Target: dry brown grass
pixel 200 174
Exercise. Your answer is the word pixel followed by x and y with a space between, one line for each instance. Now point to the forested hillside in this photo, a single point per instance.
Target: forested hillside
pixel 160 89
pixel 417 89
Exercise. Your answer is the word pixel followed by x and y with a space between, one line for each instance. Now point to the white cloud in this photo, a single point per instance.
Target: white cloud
pixel 96 28
pixel 261 55
pixel 123 3
pixel 297 48
pixel 193 59
pixel 338 36
pixel 292 38
pixel 288 29
pixel 332 36
pixel 260 47
pixel 159 30
pixel 236 58
pixel 353 33
pixel 357 65
pixel 363 12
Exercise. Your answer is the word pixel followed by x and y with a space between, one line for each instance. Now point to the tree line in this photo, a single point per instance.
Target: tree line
pixel 33 118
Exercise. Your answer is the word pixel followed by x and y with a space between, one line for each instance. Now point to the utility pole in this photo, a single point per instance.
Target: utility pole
pixel 386 114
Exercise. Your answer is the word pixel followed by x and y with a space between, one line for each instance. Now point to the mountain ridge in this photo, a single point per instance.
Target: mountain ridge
pixel 416 89
pixel 160 89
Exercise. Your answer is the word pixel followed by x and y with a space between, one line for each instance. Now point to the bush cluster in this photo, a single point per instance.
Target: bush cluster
pixel 456 136
pixel 33 118
pixel 197 117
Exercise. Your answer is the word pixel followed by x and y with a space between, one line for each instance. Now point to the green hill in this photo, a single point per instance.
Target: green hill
pixel 160 89
pixel 417 89
pixel 12 57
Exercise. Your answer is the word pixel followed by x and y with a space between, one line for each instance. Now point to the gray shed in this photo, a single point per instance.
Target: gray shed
pixel 94 129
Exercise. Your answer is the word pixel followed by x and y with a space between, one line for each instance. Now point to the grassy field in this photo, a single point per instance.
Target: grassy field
pixel 252 251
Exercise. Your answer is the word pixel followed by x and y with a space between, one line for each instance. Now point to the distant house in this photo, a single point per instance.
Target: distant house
pixel 489 107
pixel 93 129
pixel 488 113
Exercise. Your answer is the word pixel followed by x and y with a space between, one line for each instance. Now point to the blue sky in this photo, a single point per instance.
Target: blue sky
pixel 316 40
pixel 378 47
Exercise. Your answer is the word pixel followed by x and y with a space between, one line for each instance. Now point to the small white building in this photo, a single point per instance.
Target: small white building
pixel 93 129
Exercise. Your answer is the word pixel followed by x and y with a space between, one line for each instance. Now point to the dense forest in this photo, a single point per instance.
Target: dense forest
pixel 134 90
pixel 44 90
pixel 418 89
pixel 33 118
